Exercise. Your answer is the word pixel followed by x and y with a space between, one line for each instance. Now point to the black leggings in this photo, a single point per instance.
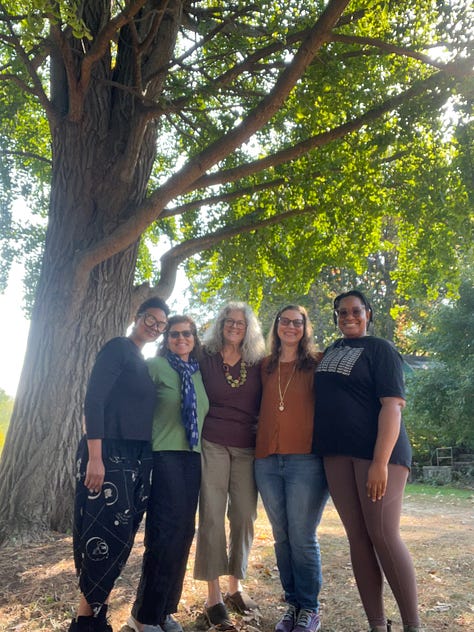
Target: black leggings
pixel 373 530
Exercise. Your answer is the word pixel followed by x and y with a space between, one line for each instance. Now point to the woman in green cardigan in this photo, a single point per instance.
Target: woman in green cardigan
pixel 180 409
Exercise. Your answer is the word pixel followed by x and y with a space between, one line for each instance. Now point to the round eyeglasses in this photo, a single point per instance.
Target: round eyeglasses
pixel 355 311
pixel 151 322
pixel 238 324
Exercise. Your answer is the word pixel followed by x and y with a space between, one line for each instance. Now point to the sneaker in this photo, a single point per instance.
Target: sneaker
pixel 288 620
pixel 170 624
pixel 308 621
pixel 133 624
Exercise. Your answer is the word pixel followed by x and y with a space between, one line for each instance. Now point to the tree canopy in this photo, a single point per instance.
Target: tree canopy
pixel 324 167
pixel 258 140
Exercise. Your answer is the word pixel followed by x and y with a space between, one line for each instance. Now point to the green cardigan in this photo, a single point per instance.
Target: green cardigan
pixel 168 430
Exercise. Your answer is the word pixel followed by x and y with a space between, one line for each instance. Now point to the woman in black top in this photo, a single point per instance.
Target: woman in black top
pixel 359 432
pixel 113 464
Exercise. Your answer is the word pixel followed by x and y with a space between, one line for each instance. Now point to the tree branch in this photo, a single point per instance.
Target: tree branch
pixel 37 89
pixel 319 140
pixel 386 47
pixel 102 41
pixel 225 197
pixel 172 259
pixel 130 230
pixel 26 154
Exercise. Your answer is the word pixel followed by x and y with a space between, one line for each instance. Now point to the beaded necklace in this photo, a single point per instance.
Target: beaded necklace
pixel 239 381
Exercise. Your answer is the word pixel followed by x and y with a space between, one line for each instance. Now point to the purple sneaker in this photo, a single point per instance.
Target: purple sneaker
pixel 288 620
pixel 308 621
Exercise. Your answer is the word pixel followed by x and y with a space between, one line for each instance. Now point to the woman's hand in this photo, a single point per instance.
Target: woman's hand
pixel 95 470
pixel 390 416
pixel 95 473
pixel 377 478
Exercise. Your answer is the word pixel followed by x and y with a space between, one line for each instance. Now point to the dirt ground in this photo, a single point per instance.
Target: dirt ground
pixel 38 587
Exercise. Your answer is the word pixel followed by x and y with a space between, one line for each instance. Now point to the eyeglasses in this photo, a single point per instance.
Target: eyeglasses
pixel 238 324
pixel 355 311
pixel 176 334
pixel 150 321
pixel 286 322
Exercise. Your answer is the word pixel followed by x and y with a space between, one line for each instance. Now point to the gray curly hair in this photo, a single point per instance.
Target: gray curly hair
pixel 253 344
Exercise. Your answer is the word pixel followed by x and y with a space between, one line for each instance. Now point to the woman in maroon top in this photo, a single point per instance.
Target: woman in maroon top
pixel 231 374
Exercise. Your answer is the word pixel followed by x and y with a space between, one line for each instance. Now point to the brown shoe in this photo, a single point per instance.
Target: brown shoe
pixel 240 601
pixel 218 617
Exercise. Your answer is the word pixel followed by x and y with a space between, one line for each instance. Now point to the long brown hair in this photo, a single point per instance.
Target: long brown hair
pixel 306 356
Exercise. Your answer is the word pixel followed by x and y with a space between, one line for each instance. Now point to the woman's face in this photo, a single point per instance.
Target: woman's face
pixel 352 317
pixel 290 327
pixel 150 325
pixel 235 327
pixel 181 340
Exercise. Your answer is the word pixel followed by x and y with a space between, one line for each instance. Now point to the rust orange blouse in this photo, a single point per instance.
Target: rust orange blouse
pixel 288 431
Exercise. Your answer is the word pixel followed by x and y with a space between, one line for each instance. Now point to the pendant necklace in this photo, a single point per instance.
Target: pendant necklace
pixel 281 405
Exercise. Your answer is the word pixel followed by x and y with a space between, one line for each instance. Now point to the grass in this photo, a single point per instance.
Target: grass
pixel 423 489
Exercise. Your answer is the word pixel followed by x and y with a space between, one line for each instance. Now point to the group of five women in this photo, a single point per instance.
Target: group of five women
pixel 224 421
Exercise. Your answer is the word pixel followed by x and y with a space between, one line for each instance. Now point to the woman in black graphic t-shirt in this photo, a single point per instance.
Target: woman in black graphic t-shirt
pixel 359 432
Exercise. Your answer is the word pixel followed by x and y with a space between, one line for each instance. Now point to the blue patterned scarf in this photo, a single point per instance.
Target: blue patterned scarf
pixel 188 396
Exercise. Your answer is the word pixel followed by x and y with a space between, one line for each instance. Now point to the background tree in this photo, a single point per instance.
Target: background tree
pixel 441 397
pixel 199 122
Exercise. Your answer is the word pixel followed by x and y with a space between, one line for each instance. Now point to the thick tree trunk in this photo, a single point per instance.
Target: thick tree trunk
pixel 70 322
pixel 37 470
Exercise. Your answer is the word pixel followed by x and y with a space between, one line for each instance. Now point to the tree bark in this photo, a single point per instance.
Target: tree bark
pixel 70 322
pixel 68 327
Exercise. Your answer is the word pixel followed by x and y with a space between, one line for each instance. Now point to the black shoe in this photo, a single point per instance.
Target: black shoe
pixel 101 623
pixel 218 618
pixel 90 624
pixel 82 624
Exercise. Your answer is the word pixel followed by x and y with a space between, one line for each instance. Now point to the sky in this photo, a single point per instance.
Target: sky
pixel 13 332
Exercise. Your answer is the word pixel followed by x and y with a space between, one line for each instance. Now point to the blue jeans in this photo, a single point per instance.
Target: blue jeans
pixel 294 491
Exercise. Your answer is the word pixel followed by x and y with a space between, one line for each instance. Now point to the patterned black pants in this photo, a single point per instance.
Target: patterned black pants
pixel 105 524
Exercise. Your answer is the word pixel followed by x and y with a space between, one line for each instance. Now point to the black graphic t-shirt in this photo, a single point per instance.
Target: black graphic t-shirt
pixel 349 382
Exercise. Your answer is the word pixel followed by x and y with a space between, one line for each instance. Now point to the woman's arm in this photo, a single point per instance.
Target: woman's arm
pixel 95 470
pixel 389 420
pixel 107 367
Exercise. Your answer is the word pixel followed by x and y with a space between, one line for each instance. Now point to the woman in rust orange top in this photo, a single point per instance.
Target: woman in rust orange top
pixel 289 477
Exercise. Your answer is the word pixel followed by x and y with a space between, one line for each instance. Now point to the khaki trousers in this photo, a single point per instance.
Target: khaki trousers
pixel 227 484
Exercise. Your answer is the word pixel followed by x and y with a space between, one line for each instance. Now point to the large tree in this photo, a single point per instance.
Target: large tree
pixel 200 121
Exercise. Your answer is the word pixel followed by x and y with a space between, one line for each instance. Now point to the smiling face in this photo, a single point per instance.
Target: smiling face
pixel 352 317
pixel 180 340
pixel 148 326
pixel 235 327
pixel 290 327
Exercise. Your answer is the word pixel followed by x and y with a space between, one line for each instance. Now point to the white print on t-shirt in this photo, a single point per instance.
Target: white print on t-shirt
pixel 340 360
